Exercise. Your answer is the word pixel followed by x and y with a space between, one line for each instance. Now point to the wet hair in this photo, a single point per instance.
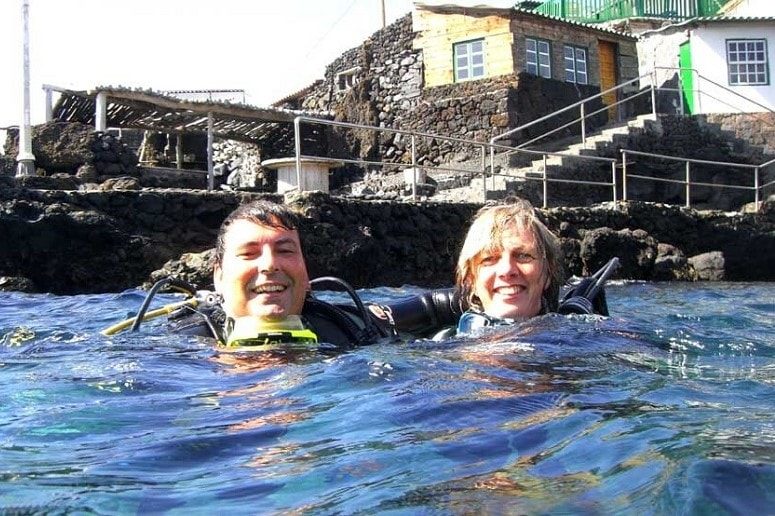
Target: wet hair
pixel 486 235
pixel 264 213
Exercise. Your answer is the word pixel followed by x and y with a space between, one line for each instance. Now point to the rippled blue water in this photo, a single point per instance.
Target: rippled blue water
pixel 665 407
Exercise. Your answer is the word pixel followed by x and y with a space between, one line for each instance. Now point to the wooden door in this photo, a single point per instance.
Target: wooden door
pixel 607 53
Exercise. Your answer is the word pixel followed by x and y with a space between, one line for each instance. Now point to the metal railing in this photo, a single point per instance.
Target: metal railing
pixel 687 181
pixel 545 179
pixel 413 135
pixel 583 115
pixel 606 10
pixel 698 92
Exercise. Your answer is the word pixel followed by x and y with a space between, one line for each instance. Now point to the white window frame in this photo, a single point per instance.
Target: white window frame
pixel 464 56
pixel 538 57
pixel 346 79
pixel 747 63
pixel 573 71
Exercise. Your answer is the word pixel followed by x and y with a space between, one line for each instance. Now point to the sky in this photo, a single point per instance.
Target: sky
pixel 268 48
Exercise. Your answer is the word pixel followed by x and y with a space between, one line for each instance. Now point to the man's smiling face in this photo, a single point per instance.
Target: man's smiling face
pixel 262 273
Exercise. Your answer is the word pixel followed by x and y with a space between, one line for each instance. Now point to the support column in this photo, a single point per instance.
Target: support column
pixel 101 112
pixel 179 151
pixel 49 104
pixel 210 171
pixel 25 159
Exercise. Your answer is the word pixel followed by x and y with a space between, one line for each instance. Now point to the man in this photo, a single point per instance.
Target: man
pixel 260 274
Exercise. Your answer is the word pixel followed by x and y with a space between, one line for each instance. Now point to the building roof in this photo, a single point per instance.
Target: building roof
pixel 153 111
pixel 703 20
pixel 509 11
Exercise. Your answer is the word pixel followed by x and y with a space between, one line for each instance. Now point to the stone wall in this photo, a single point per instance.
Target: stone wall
pixel 388 92
pixel 69 242
pixel 756 132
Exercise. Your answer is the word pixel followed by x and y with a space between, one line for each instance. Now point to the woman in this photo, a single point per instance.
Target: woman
pixel 510 266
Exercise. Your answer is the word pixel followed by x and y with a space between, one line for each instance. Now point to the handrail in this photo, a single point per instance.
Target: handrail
pixel 566 108
pixel 412 134
pixel 693 160
pixel 700 76
pixel 757 188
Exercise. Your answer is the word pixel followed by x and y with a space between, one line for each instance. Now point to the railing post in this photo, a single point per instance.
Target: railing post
pixel 757 203
pixel 624 175
pixel 546 184
pixel 654 97
pixel 613 181
pixel 688 184
pixel 492 165
pixel 414 169
pixel 484 170
pixel 297 145
pixel 210 168
pixel 583 126
pixel 49 104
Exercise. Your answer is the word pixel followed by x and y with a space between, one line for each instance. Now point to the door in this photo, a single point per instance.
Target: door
pixel 607 52
pixel 686 76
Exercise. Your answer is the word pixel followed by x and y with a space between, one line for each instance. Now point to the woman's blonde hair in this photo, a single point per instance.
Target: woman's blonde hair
pixel 486 235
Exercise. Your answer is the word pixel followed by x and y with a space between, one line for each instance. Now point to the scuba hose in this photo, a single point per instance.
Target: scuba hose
pixel 588 297
pixel 196 299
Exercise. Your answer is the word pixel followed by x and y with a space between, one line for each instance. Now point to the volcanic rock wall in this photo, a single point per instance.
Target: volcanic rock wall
pixel 69 242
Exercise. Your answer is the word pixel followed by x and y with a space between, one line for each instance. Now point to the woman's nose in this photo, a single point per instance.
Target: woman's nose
pixel 506 265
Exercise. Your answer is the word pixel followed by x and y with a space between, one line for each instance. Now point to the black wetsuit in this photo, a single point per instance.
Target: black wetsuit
pixel 340 325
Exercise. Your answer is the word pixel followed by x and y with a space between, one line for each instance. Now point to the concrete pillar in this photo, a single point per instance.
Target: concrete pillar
pixel 25 159
pixel 101 112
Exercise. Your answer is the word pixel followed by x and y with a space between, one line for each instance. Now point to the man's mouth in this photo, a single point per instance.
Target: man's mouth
pixel 268 289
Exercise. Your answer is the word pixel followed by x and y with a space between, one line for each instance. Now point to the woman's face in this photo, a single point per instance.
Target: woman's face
pixel 510 280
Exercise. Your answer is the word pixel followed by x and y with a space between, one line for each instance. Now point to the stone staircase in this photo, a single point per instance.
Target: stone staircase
pixel 513 178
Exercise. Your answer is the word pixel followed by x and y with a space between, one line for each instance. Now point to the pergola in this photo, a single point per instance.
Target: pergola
pixel 153 111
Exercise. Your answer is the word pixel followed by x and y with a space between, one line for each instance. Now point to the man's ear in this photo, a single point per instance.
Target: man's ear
pixel 217 276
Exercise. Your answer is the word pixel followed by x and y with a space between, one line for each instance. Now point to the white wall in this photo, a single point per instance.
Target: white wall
pixel 708 47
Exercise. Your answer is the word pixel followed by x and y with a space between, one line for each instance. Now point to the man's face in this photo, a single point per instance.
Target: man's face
pixel 510 281
pixel 262 273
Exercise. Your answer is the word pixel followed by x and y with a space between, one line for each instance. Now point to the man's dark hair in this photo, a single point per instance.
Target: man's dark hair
pixel 264 213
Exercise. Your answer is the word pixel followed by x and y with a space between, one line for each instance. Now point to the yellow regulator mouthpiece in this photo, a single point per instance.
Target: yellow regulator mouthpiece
pixel 258 335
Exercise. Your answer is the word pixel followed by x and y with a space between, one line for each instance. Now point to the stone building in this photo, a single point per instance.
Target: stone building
pixel 466 72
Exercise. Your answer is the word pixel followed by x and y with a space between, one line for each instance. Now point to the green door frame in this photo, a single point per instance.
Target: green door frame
pixel 686 76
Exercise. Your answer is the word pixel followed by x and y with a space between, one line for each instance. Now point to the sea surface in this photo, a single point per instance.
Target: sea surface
pixel 666 407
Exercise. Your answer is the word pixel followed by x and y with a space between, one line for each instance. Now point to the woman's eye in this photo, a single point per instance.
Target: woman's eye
pixel 489 259
pixel 525 257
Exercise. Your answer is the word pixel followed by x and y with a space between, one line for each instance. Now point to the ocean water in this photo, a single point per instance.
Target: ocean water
pixel 666 407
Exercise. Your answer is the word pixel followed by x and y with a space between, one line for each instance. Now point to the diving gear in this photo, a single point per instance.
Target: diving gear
pixel 426 312
pixel 255 334
pixel 588 297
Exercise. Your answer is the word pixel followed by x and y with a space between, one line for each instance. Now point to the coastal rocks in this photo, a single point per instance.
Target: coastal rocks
pixel 57 146
pixel 69 242
pixel 65 147
pixel 636 250
pixel 193 268
pixel 671 264
pixel 708 266
pixel 17 284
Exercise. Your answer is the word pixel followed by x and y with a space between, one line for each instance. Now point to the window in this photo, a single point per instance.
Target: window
pixel 346 79
pixel 538 57
pixel 576 64
pixel 469 60
pixel 747 61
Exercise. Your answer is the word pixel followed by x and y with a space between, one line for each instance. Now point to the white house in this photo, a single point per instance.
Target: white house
pixel 723 63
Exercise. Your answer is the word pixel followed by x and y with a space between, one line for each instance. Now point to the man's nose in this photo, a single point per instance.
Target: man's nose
pixel 266 261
